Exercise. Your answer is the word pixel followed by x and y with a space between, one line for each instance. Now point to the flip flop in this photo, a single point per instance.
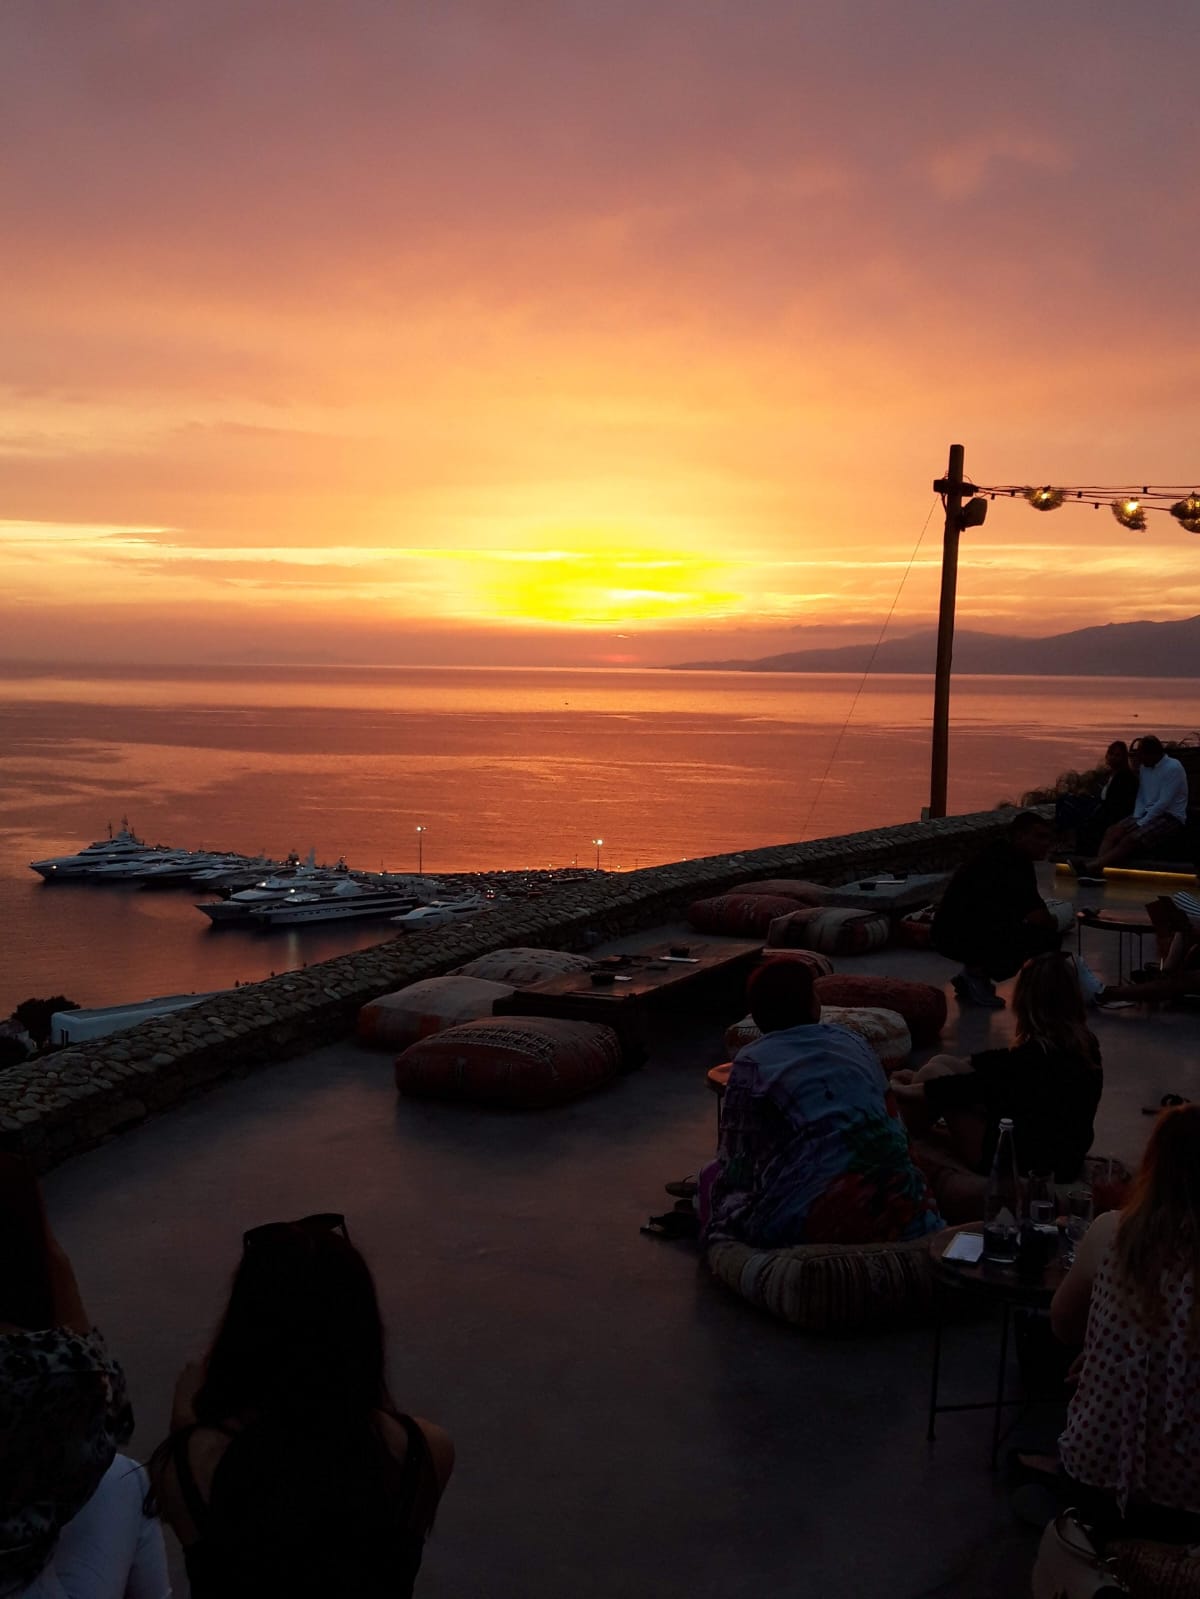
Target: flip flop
pixel 1167 1102
pixel 686 1188
pixel 673 1224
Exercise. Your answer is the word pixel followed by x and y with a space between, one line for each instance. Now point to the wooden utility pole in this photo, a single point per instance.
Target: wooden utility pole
pixel 951 488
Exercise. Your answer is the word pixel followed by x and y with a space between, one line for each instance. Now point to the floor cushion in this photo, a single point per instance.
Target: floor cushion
pixel 915 931
pixel 795 888
pixel 738 915
pixel 819 965
pixel 885 1031
pixel 831 929
pixel 830 1288
pixel 395 1020
pixel 522 967
pixel 1156 1570
pixel 921 1004
pixel 524 1062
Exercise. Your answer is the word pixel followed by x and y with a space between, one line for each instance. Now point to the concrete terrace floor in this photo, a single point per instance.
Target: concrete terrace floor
pixel 624 1426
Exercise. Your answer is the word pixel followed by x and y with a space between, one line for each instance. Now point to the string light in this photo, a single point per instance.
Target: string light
pixel 1046 499
pixel 1187 512
pixel 1129 513
pixel 1129 505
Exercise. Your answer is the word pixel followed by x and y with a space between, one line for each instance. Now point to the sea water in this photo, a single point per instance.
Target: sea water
pixel 501 767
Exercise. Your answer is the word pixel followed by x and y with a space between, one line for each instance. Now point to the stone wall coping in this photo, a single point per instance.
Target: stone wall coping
pixel 68 1101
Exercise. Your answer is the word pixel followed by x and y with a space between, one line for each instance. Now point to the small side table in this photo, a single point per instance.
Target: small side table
pixel 1002 1287
pixel 1125 927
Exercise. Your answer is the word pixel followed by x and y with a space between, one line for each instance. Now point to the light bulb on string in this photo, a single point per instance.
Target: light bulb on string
pixel 1129 513
pixel 1187 512
pixel 1045 499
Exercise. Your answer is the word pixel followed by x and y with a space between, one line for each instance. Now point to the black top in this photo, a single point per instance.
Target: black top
pixel 306 1518
pixel 1118 799
pixel 1051 1098
pixel 997 885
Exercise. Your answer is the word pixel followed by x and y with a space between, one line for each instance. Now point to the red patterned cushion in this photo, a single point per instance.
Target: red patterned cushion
pixel 831 929
pixel 394 1020
pixel 921 1004
pixel 738 915
pixel 524 1062
pixel 794 888
pixel 819 965
pixel 916 932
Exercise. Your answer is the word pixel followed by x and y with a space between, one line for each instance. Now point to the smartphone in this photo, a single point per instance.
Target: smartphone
pixel 26 1289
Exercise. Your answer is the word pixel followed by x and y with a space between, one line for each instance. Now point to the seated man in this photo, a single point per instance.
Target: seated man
pixel 992 917
pixel 811 1148
pixel 1159 817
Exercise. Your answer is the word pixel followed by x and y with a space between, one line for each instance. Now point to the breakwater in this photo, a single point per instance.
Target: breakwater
pixel 61 1104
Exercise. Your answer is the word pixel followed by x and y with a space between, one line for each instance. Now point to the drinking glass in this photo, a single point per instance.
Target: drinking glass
pixel 1079 1217
pixel 1042 1207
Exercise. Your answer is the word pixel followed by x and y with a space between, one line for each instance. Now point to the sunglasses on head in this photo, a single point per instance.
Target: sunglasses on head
pixel 325 1221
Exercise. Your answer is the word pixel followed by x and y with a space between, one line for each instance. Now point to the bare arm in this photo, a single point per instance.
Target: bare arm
pixel 68 1302
pixel 1073 1297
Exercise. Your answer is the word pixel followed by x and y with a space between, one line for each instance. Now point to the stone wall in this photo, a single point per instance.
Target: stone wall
pixel 68 1101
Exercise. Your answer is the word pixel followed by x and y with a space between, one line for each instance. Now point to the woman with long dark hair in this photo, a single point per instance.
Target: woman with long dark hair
pixel 1048 1084
pixel 289 1468
pixel 72 1524
pixel 1131 1449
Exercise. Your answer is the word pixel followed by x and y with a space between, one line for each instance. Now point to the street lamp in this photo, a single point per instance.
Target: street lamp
pixel 420 849
pixel 597 842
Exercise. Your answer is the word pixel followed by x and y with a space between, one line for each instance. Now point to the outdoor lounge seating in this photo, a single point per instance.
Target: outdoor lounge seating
pixel 739 915
pixel 922 1005
pixel 885 1030
pixel 519 1062
pixel 833 930
pixel 520 966
pixel 396 1020
pixel 830 1288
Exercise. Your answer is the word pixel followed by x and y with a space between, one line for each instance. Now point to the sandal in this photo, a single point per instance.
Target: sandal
pixel 686 1188
pixel 1167 1102
pixel 673 1224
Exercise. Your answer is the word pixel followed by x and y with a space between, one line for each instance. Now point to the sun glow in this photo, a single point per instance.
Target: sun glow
pixel 603 589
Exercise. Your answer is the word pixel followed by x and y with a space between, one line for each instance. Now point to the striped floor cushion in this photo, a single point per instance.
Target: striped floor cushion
pixel 522 967
pixel 885 1031
pixel 831 929
pixel 830 1288
pixel 921 1004
pixel 1156 1570
pixel 738 915
pixel 521 1062
pixel 795 888
pixel 395 1020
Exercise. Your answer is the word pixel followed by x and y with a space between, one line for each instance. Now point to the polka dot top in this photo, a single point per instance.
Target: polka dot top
pixel 1133 1428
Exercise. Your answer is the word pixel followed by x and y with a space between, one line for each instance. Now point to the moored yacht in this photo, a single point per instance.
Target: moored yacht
pixel 124 845
pixel 346 901
pixel 440 913
pixel 240 907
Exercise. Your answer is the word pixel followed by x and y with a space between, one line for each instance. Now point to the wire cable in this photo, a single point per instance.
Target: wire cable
pixel 866 672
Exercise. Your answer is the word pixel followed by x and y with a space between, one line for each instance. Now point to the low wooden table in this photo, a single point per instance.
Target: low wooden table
pixel 892 896
pixel 1000 1285
pixel 642 980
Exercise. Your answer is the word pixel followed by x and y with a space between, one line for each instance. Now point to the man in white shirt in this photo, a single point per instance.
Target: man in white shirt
pixel 1159 816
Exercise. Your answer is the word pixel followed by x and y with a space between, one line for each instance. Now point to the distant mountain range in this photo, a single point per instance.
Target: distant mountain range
pixel 1118 649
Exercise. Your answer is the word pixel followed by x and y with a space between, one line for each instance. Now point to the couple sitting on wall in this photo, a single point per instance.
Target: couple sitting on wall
pixel 814 1151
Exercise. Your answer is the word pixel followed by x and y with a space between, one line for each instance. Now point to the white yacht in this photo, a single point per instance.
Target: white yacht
pixel 348 900
pixel 440 913
pixel 105 851
pixel 241 906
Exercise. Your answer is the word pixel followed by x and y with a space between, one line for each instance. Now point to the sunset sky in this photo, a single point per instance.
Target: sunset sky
pixel 584 331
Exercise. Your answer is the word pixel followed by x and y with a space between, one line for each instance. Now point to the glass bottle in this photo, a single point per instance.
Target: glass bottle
pixel 1002 1202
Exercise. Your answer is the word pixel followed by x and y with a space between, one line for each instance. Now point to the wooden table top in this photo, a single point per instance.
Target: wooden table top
pixel 647 971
